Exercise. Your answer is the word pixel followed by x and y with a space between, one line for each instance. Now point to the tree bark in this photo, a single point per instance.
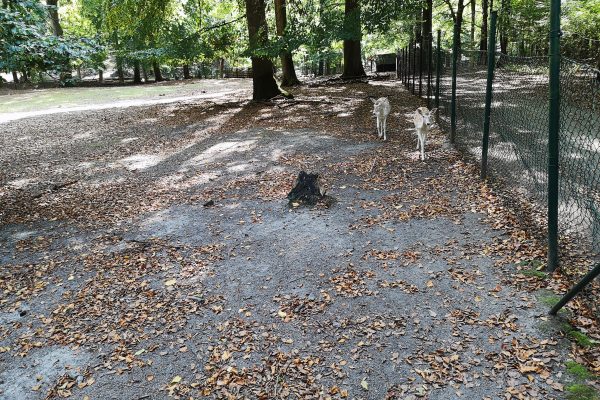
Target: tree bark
pixel 53 13
pixel 287 63
pixel 157 74
pixel 264 86
pixel 137 78
pixel 144 74
pixel 120 72
pixel 457 17
pixel 186 72
pixel 15 77
pixel 101 76
pixel 353 67
pixel 473 6
pixel 504 25
pixel 484 26
pixel 483 42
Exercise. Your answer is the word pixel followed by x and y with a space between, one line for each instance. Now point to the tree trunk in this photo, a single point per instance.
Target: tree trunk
pixel 483 42
pixel 120 72
pixel 473 5
pixel 221 68
pixel 144 74
pixel 504 26
pixel 353 67
pixel 137 78
pixel 79 72
pixel 57 30
pixel 186 72
pixel 157 74
pixel 263 83
pixel 15 77
pixel 101 76
pixel 287 63
pixel 53 13
pixel 460 11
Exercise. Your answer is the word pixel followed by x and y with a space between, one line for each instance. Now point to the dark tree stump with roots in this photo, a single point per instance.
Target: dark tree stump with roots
pixel 308 191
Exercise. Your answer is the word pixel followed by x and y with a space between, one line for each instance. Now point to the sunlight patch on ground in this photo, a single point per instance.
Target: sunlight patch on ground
pixel 21 183
pixel 129 139
pixel 140 161
pixel 85 135
pixel 23 235
pixel 181 182
pixel 221 150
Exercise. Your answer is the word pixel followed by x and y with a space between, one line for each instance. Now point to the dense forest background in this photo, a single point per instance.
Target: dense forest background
pixel 141 40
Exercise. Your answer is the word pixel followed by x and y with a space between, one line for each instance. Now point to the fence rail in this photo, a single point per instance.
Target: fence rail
pixel 519 125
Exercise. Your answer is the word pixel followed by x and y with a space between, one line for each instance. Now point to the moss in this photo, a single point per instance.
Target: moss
pixel 578 391
pixel 549 299
pixel 535 273
pixel 581 338
pixel 535 265
pixel 578 371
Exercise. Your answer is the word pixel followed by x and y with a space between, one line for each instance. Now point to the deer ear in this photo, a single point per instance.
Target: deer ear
pixel 433 111
pixel 373 100
pixel 419 111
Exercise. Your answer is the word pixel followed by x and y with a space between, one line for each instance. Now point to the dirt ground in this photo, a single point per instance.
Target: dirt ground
pixel 119 280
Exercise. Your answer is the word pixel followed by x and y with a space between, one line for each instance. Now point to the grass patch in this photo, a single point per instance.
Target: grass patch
pixel 579 391
pixel 535 265
pixel 549 299
pixel 580 372
pixel 534 273
pixel 581 338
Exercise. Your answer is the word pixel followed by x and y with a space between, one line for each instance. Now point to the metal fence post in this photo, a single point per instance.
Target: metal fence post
pixel 453 99
pixel 488 95
pixel 421 52
pixel 408 65
pixel 414 69
pixel 438 69
pixel 429 67
pixel 576 289
pixel 553 135
pixel 404 68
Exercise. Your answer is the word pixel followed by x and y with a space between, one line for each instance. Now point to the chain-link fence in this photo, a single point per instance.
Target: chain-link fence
pixel 519 119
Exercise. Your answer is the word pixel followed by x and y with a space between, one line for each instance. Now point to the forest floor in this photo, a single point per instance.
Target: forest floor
pixel 120 279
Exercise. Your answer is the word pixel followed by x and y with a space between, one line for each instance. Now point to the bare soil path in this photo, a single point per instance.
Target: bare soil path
pixel 117 282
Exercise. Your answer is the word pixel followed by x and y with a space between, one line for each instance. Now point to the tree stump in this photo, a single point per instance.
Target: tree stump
pixel 307 190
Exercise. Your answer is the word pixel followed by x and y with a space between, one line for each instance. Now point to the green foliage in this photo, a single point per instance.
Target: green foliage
pixel 26 44
pixel 534 273
pixel 581 338
pixel 578 371
pixel 579 391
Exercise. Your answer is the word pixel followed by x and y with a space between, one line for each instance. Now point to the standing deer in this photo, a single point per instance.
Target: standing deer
pixel 423 120
pixel 381 109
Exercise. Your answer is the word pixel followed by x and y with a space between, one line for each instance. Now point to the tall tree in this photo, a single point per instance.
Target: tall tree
pixel 263 83
pixel 484 26
pixel 353 66
pixel 473 14
pixel 53 13
pixel 504 25
pixel 287 63
pixel 457 17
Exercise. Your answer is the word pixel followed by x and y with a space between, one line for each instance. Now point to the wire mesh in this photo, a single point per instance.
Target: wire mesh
pixel 518 152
